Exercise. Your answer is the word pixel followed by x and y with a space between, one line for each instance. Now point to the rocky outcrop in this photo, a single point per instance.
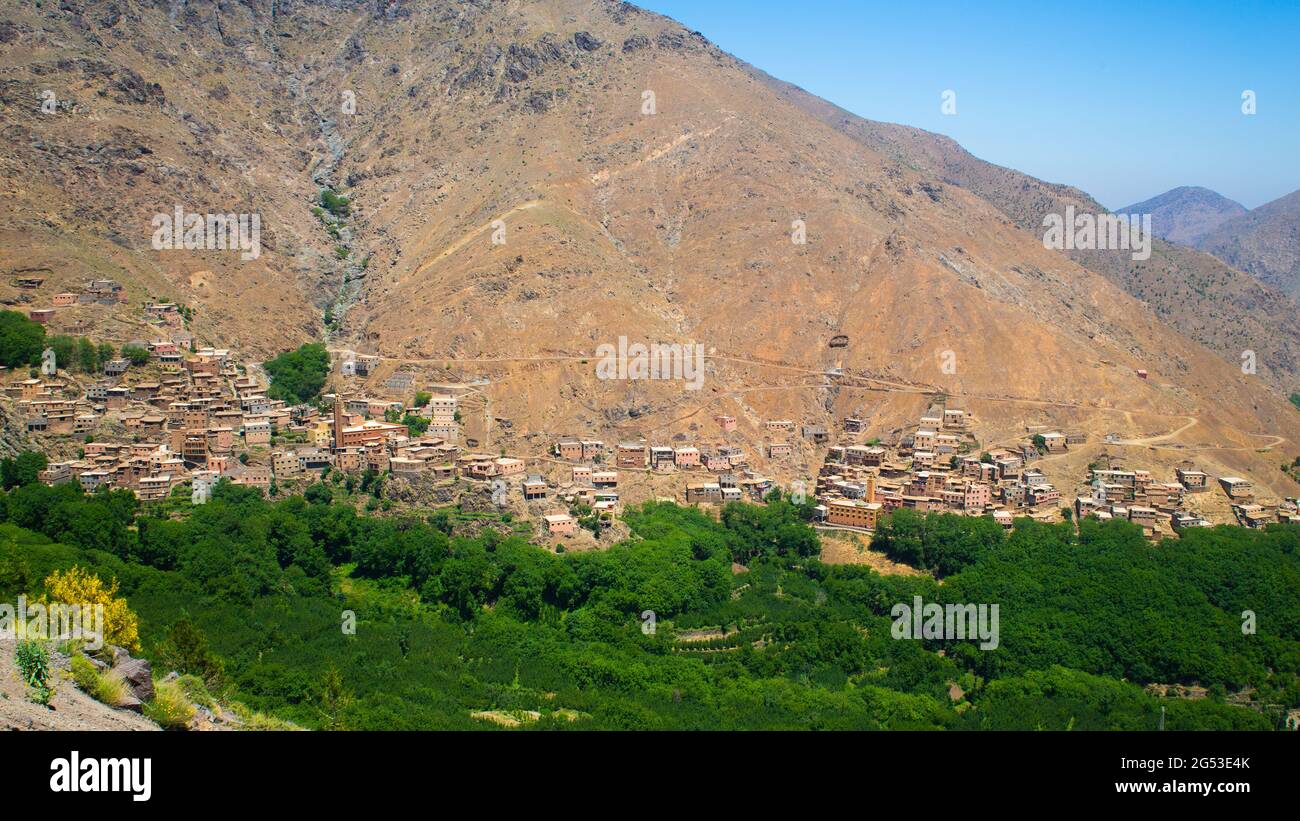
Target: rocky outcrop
pixel 139 677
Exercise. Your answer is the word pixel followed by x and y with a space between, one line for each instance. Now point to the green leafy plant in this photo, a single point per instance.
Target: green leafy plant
pixel 33 662
pixel 334 203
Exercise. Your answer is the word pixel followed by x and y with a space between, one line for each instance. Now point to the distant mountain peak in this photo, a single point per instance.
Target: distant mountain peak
pixel 1187 213
pixel 1264 242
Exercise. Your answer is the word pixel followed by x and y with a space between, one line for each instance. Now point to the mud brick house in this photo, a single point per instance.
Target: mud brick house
pixel 559 524
pixel 662 458
pixel 534 487
pixel 570 449
pixel 735 456
pixel 704 493
pixel 853 513
pixel 955 418
pixel 1054 442
pixel 257 432
pixel 630 455
pixel 1235 487
pixel 285 464
pixel 715 461
pixel 1194 481
pixel 686 457
pixel 815 433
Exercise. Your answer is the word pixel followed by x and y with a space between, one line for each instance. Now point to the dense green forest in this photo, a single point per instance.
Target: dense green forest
pixel 254 595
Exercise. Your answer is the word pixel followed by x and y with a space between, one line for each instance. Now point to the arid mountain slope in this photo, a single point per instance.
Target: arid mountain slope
pixel 1187 213
pixel 1264 241
pixel 520 202
pixel 676 226
pixel 113 112
pixel 1201 296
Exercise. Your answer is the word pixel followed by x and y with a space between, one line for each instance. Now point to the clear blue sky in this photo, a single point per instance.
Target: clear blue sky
pixel 1123 100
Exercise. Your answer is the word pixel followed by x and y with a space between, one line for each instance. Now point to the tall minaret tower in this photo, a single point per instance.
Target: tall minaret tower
pixel 338 421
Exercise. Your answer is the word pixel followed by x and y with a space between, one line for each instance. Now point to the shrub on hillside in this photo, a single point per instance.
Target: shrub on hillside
pixel 171 708
pixel 80 587
pixel 105 686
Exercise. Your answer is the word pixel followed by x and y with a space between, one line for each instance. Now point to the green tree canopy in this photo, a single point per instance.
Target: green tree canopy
pixel 298 376
pixel 21 340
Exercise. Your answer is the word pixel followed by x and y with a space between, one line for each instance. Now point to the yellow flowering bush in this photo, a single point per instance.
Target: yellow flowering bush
pixel 81 587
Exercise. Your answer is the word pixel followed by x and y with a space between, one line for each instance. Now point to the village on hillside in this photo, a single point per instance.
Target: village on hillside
pixel 175 418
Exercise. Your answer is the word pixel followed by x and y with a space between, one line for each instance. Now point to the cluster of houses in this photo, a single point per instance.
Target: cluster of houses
pixel 196 420
pixel 165 315
pixel 206 422
pixel 95 292
pixel 732 480
pixel 924 471
pixel 1135 495
pixel 1249 512
pixel 50 404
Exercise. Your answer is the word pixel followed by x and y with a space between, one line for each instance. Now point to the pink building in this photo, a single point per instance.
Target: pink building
pixel 716 461
pixel 569 449
pixel 687 457
pixel 978 496
pixel 559 524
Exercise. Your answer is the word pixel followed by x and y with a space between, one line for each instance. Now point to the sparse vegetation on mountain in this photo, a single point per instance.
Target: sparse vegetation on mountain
pixel 1185 214
pixel 334 203
pixel 1263 242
